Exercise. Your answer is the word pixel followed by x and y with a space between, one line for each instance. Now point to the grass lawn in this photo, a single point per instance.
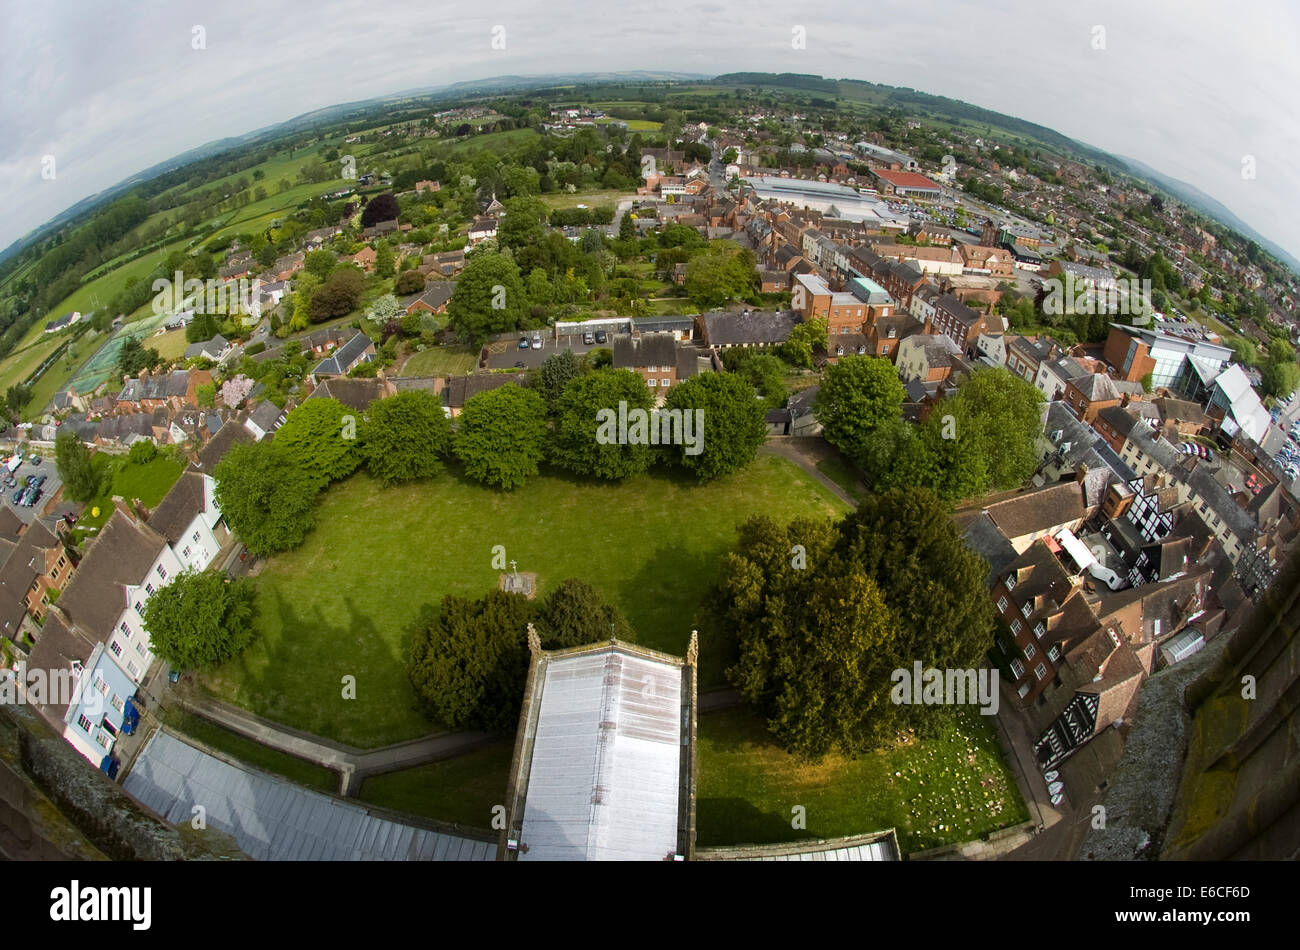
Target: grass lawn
pixel 842 474
pixel 170 345
pixel 454 360
pixel 936 791
pixel 461 790
pixel 592 199
pixel 250 752
pixel 149 483
pixel 20 364
pixel 340 604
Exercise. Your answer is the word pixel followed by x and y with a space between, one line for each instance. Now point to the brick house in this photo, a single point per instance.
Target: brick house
pixel 652 356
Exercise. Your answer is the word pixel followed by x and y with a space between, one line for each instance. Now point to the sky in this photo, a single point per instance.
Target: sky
pixel 1204 92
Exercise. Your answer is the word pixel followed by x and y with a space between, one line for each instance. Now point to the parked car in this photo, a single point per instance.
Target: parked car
pixel 589 338
pixel 40 481
pixel 537 341
pixel 523 343
pixel 35 460
pixel 31 480
pixel 18 495
pixel 601 337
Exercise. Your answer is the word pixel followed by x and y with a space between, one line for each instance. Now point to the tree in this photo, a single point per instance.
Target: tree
pixel 858 394
pixel 1279 379
pixel 489 298
pixel 380 208
pixel 468 660
pixel 72 459
pixel 201 619
pixel 767 375
pixel 817 637
pixel 806 339
pixel 320 438
pixel 409 282
pixel 319 263
pixel 235 390
pixel 135 356
pixel 339 295
pixel 269 501
pixel 17 397
pixel 723 271
pixel 384 259
pixel 524 222
pixel 386 308
pixel 206 395
pixel 501 436
pixel 727 421
pixel 575 443
pixel 627 227
pixel 405 437
pixel 554 375
pixel 142 452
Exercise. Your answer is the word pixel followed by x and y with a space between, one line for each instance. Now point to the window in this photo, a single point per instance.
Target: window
pixel 116 648
pixel 161 572
pixel 62 561
pixel 1027 608
pixel 139 647
pixel 186 553
pixel 196 537
pixel 117 702
pixel 1017 669
pixel 139 609
pixel 1040 671
pixel 148 589
pixel 84 722
pixel 126 630
pixel 652 383
pixel 1040 628
pixel 104 739
pixel 1054 654
pixel 101 685
pixel 1002 604
pixel 1030 651
pixel 1016 626
pixel 885 348
pixel 665 383
pixel 132 669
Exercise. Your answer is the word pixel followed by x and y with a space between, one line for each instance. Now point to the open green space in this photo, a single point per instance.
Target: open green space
pixel 149 483
pixel 842 474
pixel 341 604
pixel 592 199
pixel 461 790
pixel 451 360
pixel 934 791
pixel 250 752
pixel 493 140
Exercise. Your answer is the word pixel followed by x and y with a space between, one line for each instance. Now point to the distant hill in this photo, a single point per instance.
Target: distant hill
pixel 1195 198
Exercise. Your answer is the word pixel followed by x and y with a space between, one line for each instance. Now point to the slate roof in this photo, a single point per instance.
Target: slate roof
pixel 356 394
pixel 120 554
pixel 758 327
pixel 179 507
pixel 459 389
pixel 436 294
pixel 337 362
pixel 229 435
pixel 273 819
pixel 650 349
pixel 1038 510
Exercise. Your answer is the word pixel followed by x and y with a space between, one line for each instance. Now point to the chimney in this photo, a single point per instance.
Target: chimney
pixel 121 505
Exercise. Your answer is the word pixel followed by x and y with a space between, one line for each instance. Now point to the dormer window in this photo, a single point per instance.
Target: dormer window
pixel 1040 628
pixel 1028 608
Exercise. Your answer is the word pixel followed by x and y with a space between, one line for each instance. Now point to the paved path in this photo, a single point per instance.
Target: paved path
pixel 352 764
pixel 806 453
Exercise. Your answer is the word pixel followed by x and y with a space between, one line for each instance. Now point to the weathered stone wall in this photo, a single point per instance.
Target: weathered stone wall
pixel 54 805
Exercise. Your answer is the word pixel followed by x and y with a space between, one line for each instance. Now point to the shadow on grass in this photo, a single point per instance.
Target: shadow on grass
pixel 735 821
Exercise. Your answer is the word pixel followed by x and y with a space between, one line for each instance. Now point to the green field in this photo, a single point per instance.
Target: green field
pixel 948 789
pixel 462 790
pixel 340 604
pixel 452 360
pixel 592 199
pixel 149 483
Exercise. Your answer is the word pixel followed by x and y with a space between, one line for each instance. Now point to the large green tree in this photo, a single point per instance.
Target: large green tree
pixel 405 437
pixel 819 615
pixel 320 437
pixel 575 444
pixel 468 660
pixel 78 474
pixel 339 295
pixel 858 395
pixel 727 421
pixel 723 271
pixel 200 620
pixel 489 297
pixel 501 436
pixel 267 498
pixel 524 222
pixel 554 375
